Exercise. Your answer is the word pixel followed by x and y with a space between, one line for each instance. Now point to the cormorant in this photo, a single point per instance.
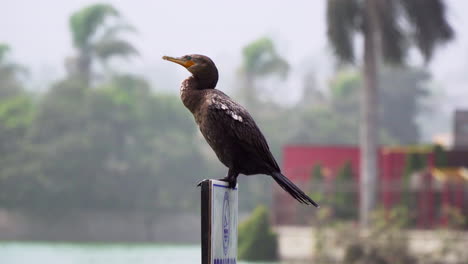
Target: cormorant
pixel 228 127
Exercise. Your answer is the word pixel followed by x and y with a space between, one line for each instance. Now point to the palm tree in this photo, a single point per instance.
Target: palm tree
pixel 4 48
pixel 388 28
pixel 260 59
pixel 95 38
pixel 9 73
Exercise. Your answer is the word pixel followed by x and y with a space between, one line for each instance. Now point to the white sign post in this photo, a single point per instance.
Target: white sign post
pixel 219 223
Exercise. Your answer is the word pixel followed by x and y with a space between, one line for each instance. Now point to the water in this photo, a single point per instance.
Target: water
pixel 70 253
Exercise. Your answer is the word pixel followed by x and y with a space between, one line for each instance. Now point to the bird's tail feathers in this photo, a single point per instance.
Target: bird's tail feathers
pixel 292 189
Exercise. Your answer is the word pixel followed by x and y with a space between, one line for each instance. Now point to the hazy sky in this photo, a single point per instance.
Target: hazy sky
pixel 38 33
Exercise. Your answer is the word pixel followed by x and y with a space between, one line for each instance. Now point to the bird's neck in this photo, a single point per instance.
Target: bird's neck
pixel 208 81
pixel 191 94
pixel 206 78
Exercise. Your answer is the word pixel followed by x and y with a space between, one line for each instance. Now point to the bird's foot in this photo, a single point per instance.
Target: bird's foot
pixel 202 181
pixel 232 184
pixel 231 181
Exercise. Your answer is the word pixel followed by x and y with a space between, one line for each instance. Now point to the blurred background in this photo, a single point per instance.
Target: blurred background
pixel 100 159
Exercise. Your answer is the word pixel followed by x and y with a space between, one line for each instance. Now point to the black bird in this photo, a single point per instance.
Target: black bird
pixel 228 127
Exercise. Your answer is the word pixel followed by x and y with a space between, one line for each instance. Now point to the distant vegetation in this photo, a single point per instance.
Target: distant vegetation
pixel 103 139
pixel 257 241
pixel 388 30
pixel 97 139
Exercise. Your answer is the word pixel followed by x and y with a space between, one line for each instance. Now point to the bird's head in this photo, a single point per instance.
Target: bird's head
pixel 202 68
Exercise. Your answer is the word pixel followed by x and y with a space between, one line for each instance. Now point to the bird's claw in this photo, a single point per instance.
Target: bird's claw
pixel 231 183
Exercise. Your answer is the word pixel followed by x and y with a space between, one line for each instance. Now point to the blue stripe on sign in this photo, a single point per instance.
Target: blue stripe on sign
pixel 225 261
pixel 222 186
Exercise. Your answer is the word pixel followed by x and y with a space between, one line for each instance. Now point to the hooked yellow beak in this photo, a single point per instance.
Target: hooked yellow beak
pixel 181 61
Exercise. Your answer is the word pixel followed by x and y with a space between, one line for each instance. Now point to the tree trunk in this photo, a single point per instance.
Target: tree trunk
pixel 84 66
pixel 250 94
pixel 369 122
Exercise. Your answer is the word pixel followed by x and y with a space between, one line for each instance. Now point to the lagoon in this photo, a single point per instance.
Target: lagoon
pixel 97 253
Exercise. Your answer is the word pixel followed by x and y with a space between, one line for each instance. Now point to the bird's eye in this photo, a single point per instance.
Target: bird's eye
pixel 188 57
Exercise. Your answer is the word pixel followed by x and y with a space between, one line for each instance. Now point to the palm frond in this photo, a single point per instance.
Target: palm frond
pixel 254 52
pixel 113 31
pixel 85 22
pixel 392 37
pixel 261 58
pixel 430 25
pixel 342 22
pixel 274 65
pixel 110 47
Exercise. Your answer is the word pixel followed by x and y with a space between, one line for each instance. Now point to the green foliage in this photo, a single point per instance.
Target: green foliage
pixel 456 219
pixel 379 22
pixel 85 22
pixel 4 49
pixel 426 24
pixel 321 124
pixel 106 48
pixel 85 148
pixel 403 87
pixel 316 174
pixel 260 58
pixel 321 236
pixel 342 203
pixel 16 114
pixel 80 147
pixel 414 163
pixel 345 84
pixel 317 182
pixel 394 42
pixel 96 38
pixel 345 174
pixel 429 24
pixel 395 219
pixel 257 241
pixel 345 200
pixel 9 74
pixel 386 241
pixel 440 156
pixel 343 21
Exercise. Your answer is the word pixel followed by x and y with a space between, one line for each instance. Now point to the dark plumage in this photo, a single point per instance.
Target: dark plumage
pixel 228 127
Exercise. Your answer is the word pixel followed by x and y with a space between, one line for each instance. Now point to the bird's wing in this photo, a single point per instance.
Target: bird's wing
pixel 239 125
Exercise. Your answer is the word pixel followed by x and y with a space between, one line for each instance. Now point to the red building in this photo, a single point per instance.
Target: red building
pixel 431 192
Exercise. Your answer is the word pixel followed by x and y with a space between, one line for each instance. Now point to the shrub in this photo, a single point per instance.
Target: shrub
pixel 317 183
pixel 345 198
pixel 257 241
pixel 386 242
